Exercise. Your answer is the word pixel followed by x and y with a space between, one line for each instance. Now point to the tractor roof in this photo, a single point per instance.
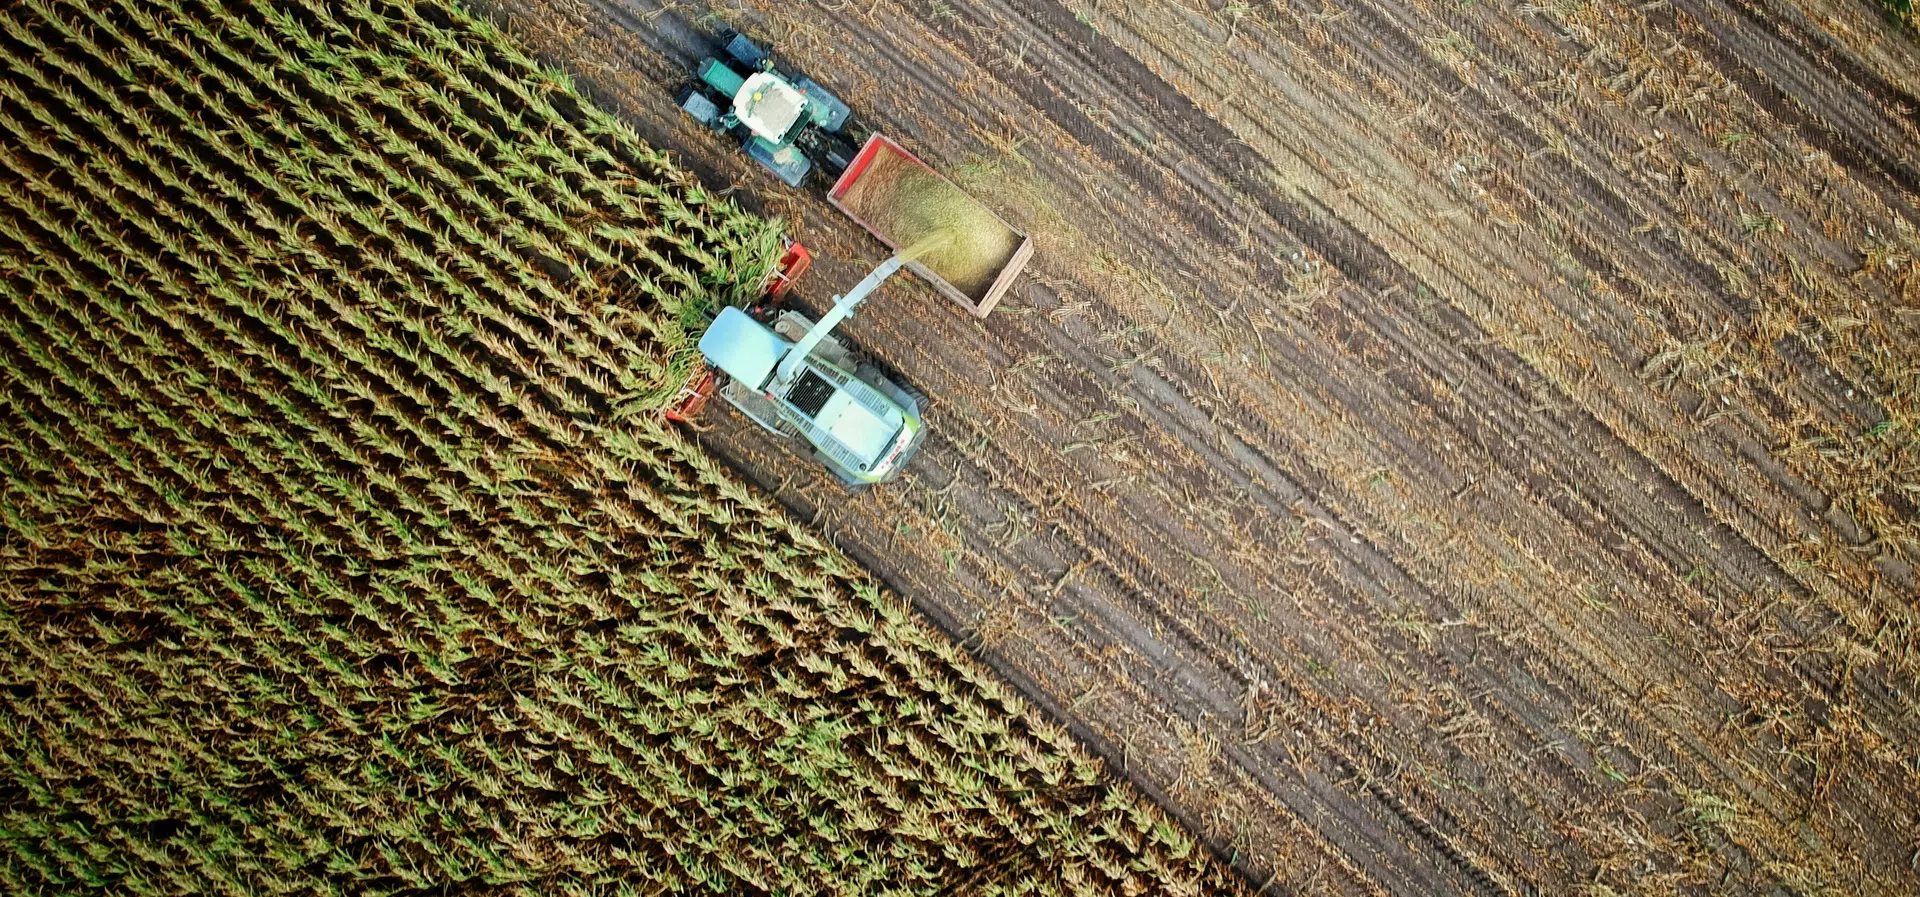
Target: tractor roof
pixel 768 105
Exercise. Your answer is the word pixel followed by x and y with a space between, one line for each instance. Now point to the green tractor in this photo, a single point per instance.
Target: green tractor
pixel 785 122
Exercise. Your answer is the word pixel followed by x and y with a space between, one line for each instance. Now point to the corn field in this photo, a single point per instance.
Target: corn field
pixel 342 553
pixel 1901 12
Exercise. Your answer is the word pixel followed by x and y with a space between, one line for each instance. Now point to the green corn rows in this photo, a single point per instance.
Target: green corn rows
pixel 333 558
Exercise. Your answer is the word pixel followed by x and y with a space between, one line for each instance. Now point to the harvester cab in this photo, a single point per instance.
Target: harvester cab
pixel 785 122
pixel 794 378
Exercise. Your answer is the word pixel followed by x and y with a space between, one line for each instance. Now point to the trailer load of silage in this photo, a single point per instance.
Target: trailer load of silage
pixel 957 238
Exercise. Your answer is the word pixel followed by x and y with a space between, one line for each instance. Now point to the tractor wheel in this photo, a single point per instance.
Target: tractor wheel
pixel 744 50
pixel 832 153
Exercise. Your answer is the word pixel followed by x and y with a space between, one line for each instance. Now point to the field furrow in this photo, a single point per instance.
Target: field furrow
pixel 1443 448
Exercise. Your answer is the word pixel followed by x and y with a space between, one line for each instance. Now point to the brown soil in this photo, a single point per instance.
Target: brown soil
pixel 960 240
pixel 1441 448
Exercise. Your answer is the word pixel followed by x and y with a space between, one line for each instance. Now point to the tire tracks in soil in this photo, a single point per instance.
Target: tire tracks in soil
pixel 1700 754
pixel 1351 363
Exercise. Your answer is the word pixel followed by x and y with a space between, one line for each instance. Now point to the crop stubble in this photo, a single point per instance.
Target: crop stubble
pixel 1446 448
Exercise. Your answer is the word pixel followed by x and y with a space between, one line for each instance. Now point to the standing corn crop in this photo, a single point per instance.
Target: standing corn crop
pixel 338 555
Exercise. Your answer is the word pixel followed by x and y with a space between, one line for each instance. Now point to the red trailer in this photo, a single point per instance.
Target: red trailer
pixel 886 190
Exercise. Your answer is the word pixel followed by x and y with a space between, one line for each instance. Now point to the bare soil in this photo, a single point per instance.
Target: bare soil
pixel 1440 448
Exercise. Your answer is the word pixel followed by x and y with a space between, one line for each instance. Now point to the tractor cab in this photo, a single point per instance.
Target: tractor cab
pixel 769 107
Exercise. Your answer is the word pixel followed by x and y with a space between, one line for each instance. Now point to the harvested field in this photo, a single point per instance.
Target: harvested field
pixel 1442 448
pixel 342 549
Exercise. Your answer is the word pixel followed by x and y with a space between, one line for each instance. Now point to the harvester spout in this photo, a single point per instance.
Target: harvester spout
pixel 843 307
